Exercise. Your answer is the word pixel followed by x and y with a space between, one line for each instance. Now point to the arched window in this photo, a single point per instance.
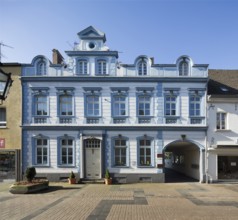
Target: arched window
pixel 41 68
pixel 183 68
pixel 142 68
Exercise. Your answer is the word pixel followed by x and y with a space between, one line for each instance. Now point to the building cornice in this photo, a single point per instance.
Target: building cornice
pixel 222 98
pixel 92 53
pixel 115 127
pixel 111 79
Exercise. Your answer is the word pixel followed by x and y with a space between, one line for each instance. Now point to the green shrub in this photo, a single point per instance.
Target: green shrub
pixel 71 176
pixel 107 174
pixel 30 173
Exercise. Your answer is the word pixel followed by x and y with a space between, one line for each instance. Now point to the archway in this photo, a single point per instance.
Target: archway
pixel 183 162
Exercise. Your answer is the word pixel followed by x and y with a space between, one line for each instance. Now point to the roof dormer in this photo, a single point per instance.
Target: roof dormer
pixel 91 39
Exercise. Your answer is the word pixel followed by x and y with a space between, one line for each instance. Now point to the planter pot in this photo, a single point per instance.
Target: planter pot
pixel 72 181
pixel 108 181
pixel 24 188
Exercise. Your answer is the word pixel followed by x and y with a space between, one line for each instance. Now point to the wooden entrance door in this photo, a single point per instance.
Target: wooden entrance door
pixel 92 158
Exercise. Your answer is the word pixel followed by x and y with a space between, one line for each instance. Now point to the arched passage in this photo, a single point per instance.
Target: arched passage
pixel 183 161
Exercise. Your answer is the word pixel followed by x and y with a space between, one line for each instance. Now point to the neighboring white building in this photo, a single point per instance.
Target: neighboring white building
pixel 92 112
pixel 222 152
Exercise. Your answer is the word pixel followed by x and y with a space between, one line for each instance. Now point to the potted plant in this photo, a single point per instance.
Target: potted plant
pixel 72 179
pixel 30 174
pixel 108 179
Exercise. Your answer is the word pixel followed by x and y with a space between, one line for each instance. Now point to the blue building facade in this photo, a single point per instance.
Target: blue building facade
pixel 92 112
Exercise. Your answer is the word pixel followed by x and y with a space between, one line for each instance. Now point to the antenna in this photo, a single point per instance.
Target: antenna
pixel 5 45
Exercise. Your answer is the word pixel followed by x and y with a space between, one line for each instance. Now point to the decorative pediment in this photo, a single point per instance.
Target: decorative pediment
pixel 92 33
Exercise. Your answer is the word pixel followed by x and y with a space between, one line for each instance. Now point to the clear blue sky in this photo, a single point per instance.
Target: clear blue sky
pixel 206 30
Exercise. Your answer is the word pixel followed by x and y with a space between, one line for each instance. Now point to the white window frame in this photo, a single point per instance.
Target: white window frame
pixel 44 148
pixel 221 121
pixel 41 68
pixel 67 146
pixel 143 158
pixel 172 104
pixel 183 68
pixel 142 68
pixel 101 67
pixel 83 67
pixel 120 156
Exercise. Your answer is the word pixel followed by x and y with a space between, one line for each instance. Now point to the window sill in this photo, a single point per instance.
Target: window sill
pixel 66 166
pixel 144 166
pixel 3 127
pixel 120 166
pixel 171 117
pixel 42 166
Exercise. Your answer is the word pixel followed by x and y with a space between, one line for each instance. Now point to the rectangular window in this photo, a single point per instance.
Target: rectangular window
pixel 145 152
pixel 195 105
pixel 92 106
pixel 221 121
pixel 119 106
pixel 83 67
pixel 42 151
pixel 102 67
pixel 66 105
pixel 144 105
pixel 170 105
pixel 66 151
pixel 3 120
pixel 120 152
pixel 41 105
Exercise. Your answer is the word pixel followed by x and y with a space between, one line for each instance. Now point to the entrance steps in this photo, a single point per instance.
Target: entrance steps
pixel 92 181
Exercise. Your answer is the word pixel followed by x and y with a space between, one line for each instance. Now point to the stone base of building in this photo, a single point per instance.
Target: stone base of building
pixel 56 177
pixel 138 178
pixel 117 177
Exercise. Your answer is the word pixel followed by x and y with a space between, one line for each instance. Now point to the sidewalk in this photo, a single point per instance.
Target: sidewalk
pixel 128 201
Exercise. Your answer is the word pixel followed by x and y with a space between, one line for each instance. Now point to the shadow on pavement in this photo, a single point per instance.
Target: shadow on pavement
pixel 171 176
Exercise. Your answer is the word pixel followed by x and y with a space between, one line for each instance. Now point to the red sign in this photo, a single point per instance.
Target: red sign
pixel 2 142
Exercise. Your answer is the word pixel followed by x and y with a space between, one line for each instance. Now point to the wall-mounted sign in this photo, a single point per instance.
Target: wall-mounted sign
pixel 233 164
pixel 2 142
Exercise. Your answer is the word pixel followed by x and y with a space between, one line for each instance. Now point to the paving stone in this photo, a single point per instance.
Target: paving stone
pixel 126 201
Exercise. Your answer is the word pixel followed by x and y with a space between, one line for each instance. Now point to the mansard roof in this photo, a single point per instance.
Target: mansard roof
pixel 92 33
pixel 223 82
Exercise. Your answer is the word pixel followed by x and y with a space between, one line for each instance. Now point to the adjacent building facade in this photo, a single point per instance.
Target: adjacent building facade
pixel 92 112
pixel 10 122
pixel 222 151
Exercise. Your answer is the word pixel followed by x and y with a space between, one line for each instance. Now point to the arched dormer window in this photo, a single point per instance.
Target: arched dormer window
pixel 142 68
pixel 183 68
pixel 82 67
pixel 41 68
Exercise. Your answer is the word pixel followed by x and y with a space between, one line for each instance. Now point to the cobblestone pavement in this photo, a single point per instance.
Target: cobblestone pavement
pixel 128 201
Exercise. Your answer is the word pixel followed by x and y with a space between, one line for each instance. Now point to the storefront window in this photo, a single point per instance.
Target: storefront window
pixel 7 165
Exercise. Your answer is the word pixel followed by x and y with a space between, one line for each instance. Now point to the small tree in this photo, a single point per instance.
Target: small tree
pixel 30 173
pixel 72 175
pixel 107 174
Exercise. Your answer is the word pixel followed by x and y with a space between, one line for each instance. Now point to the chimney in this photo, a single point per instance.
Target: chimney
pixel 57 57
